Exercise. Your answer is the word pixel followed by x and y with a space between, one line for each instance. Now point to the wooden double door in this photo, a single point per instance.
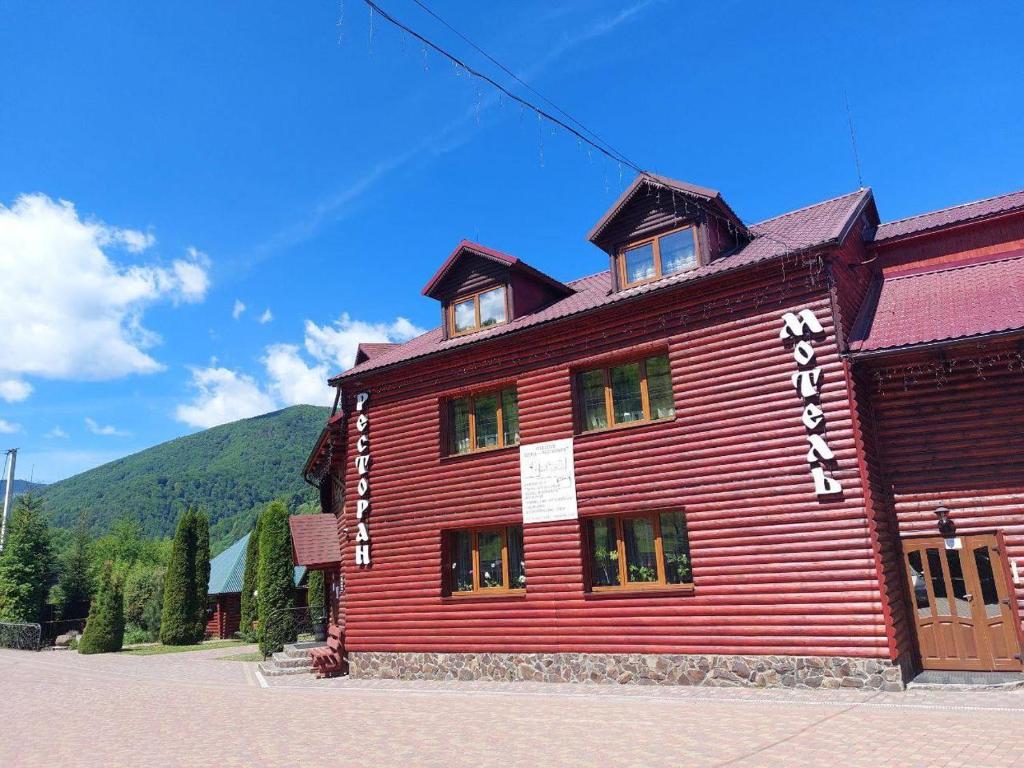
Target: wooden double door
pixel 963 603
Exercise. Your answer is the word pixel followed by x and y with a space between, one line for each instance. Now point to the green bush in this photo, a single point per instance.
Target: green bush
pixel 250 605
pixel 143 600
pixel 135 634
pixel 104 631
pixel 26 563
pixel 275 580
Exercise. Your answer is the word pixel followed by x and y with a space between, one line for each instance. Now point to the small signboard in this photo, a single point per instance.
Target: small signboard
pixel 548 481
pixel 954 543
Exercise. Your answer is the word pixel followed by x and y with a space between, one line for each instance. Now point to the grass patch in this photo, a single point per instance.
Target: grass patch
pixel 152 650
pixel 254 656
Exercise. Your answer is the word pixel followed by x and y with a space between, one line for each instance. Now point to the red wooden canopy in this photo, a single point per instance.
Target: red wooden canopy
pixel 315 540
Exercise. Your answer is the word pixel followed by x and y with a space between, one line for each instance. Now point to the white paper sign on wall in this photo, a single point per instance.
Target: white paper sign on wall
pixel 548 481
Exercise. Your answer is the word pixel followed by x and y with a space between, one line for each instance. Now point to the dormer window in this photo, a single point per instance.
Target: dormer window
pixel 660 256
pixel 478 311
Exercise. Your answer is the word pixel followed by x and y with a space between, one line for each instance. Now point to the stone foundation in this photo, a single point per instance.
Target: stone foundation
pixel 642 669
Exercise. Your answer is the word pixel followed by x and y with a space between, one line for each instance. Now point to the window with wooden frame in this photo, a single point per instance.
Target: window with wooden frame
pixel 483 421
pixel 477 311
pixel 659 256
pixel 629 393
pixel 483 561
pixel 639 551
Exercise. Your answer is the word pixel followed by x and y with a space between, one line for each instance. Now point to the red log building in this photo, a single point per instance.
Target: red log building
pixel 787 453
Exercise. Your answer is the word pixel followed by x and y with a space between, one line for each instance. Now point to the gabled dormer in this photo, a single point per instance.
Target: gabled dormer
pixel 660 227
pixel 480 288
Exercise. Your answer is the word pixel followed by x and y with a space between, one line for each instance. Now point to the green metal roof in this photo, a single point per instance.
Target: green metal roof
pixel 228 568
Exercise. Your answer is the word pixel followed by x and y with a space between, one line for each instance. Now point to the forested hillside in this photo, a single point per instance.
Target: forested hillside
pixel 228 470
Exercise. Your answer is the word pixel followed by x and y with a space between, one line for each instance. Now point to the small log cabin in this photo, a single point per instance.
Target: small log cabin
pixel 781 454
pixel 224 593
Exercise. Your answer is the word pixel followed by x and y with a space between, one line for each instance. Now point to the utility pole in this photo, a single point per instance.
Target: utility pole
pixel 12 455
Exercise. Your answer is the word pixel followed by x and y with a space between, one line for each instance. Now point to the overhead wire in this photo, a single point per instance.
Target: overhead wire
pixel 579 132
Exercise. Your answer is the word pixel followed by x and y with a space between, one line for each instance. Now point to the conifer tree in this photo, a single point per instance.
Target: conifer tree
pixel 275 580
pixel 250 605
pixel 104 631
pixel 26 563
pixel 315 594
pixel 74 585
pixel 201 526
pixel 178 619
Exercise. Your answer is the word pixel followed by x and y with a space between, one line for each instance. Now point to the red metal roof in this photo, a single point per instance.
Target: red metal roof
pixel 958 214
pixel 943 305
pixel 315 540
pixel 810 227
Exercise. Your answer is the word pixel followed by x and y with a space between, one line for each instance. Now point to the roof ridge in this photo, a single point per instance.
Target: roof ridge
pixel 1016 256
pixel 808 207
pixel 951 208
pixel 588 277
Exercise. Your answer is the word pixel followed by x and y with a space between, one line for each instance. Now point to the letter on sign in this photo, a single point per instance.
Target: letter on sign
pixel 803 326
pixel 362 463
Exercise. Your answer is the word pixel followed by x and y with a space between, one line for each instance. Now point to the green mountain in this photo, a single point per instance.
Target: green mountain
pixel 228 470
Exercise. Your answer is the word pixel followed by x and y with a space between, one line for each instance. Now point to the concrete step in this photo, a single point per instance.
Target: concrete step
pixel 270 669
pixel 934 680
pixel 300 650
pixel 284 661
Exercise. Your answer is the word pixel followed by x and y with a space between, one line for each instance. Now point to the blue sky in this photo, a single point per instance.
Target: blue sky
pixel 162 164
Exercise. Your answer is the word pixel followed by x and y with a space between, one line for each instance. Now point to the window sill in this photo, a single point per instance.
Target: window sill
pixel 602 593
pixel 458 597
pixel 478 452
pixel 628 425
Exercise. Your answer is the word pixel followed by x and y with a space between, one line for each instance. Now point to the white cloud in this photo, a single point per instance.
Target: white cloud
pixel 107 430
pixel 7 427
pixel 57 432
pixel 336 343
pixel 14 390
pixel 192 277
pixel 290 377
pixel 132 240
pixel 68 311
pixel 266 317
pixel 238 309
pixel 223 395
pixel 293 381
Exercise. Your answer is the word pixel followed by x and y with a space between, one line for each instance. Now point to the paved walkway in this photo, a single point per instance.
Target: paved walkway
pixel 192 709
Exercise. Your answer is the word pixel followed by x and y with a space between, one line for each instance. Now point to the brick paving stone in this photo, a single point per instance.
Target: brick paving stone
pixel 191 709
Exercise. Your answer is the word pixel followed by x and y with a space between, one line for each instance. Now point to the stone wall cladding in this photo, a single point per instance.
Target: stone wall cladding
pixel 641 669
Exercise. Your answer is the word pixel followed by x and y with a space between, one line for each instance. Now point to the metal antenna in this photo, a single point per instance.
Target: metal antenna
pixel 853 140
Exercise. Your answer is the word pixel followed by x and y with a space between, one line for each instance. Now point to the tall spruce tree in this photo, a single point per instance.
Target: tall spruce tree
pixel 250 605
pixel 26 563
pixel 276 584
pixel 178 624
pixel 104 631
pixel 74 585
pixel 201 589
